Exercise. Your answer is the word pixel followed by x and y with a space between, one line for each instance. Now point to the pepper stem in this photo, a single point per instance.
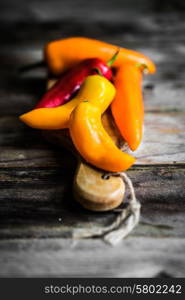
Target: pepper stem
pixel 143 67
pixel 113 58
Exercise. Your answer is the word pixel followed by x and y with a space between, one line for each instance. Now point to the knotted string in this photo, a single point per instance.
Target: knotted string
pixel 128 217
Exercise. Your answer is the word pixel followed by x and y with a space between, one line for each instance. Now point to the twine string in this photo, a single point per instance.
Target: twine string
pixel 128 217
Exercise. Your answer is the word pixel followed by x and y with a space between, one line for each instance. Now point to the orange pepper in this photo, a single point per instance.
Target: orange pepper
pixel 127 106
pixel 93 142
pixel 63 54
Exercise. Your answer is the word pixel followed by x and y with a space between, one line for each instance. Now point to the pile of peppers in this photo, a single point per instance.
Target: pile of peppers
pixel 86 86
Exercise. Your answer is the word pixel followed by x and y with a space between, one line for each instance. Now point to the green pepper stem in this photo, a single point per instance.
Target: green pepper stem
pixel 113 58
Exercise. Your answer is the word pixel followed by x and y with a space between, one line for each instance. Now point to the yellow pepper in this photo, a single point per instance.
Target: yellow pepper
pixel 82 115
pixel 93 142
pixel 96 89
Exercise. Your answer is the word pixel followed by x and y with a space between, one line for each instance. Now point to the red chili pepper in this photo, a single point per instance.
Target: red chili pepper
pixel 67 85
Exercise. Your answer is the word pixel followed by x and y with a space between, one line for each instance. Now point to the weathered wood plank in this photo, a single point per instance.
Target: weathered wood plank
pixel 36 178
pixel 164 139
pixel 134 257
pixel 159 36
pixel 38 11
pixel 100 10
pixel 33 200
pixel 163 142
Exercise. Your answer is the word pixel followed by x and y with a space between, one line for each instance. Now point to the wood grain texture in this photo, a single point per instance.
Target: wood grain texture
pixel 159 36
pixel 164 139
pixel 94 192
pixel 163 143
pixel 33 200
pixel 135 257
pixel 38 215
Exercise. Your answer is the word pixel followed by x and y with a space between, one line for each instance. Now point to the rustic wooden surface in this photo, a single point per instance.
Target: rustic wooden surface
pixel 40 223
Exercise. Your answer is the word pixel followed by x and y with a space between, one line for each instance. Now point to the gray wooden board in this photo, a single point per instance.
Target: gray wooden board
pixel 163 142
pixel 37 210
pixel 134 257
pixel 37 202
pixel 159 36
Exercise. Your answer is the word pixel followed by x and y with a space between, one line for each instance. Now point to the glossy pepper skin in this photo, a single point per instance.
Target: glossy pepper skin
pixel 63 54
pixel 97 89
pixel 70 82
pixel 127 107
pixel 93 142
